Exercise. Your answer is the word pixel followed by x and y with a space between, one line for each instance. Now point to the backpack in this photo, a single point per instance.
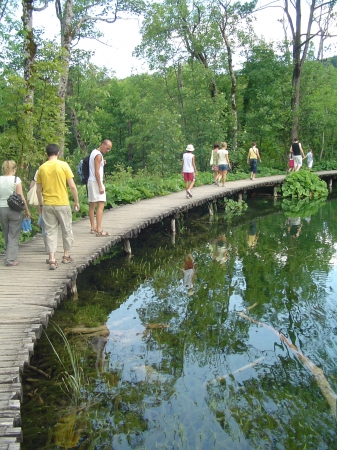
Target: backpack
pixel 83 170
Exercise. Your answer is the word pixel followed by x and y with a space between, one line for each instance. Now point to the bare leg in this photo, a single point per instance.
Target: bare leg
pixel 224 177
pixel 99 215
pixel 92 214
pixel 191 185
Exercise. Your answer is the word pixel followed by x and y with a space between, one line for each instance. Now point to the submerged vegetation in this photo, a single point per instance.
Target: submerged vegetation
pixel 216 367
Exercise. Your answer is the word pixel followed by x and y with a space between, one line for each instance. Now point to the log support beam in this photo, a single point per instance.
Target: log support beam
pixel 127 246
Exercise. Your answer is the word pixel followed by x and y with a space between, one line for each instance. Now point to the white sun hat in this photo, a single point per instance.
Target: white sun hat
pixel 190 148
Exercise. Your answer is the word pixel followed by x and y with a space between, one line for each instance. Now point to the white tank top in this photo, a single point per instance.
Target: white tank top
pixel 93 155
pixel 188 166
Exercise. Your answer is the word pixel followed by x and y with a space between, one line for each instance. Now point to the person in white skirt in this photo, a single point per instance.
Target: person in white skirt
pixel 96 188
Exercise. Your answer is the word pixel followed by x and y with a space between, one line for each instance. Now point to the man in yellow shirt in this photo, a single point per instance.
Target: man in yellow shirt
pixel 51 188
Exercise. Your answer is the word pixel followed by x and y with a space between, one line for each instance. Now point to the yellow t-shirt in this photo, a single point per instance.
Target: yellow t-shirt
pixel 252 153
pixel 53 176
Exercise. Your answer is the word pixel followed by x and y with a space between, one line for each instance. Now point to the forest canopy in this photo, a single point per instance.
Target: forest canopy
pixel 212 79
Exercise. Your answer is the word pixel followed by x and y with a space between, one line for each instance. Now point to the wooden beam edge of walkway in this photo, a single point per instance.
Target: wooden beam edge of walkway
pixel 15 351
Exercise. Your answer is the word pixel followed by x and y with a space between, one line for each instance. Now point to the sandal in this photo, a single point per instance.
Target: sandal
pixel 14 263
pixel 67 259
pixel 102 233
pixel 53 265
pixel 93 231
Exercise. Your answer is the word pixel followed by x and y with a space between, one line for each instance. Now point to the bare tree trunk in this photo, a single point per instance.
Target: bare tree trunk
pixel 300 48
pixel 233 87
pixel 322 149
pixel 130 146
pixel 65 17
pixel 29 50
pixel 75 122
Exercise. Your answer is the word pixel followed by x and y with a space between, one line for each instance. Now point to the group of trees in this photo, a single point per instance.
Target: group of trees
pixel 211 79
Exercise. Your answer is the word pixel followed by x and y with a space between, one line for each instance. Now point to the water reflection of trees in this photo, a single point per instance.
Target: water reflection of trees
pixel 270 405
pixel 287 277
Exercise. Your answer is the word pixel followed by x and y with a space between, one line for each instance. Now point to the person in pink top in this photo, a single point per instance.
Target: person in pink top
pixel 189 170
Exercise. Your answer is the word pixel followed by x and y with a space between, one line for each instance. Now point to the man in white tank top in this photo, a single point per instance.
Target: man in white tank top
pixel 189 170
pixel 96 188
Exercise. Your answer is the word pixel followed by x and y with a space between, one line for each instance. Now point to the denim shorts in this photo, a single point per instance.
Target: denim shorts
pixel 253 165
pixel 223 167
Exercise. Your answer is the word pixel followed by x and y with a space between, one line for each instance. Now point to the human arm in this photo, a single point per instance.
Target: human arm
pixel 301 149
pixel 19 191
pixel 73 189
pixel 97 163
pixel 229 164
pixel 258 154
pixel 194 166
pixel 39 195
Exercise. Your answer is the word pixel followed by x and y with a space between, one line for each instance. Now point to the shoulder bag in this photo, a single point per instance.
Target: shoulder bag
pixel 15 201
pixel 32 196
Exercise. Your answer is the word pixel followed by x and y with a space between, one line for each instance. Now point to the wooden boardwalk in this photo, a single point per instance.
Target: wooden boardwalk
pixel 30 292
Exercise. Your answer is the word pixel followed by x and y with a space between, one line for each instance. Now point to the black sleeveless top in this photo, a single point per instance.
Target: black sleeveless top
pixel 296 148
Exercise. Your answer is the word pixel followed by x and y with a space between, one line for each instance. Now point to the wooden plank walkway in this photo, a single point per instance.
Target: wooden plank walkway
pixel 30 292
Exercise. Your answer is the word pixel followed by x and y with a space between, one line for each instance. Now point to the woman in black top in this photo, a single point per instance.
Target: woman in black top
pixel 297 151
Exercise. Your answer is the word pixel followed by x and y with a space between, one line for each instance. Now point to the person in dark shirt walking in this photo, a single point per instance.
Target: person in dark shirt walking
pixel 298 153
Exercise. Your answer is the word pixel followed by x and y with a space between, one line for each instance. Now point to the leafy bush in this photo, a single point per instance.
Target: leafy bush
pixel 304 184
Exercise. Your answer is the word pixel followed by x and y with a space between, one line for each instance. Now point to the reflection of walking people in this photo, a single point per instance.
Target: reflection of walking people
pixel 252 235
pixel 253 156
pixel 96 188
pixel 51 189
pixel 189 170
pixel 188 274
pixel 213 163
pixel 310 159
pixel 221 250
pixel 222 161
pixel 11 220
pixel 297 151
pixel 294 226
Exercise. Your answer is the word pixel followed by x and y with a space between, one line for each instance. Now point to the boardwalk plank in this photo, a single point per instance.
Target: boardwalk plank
pixel 29 292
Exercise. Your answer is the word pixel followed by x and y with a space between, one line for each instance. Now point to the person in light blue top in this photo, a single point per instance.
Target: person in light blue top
pixel 310 159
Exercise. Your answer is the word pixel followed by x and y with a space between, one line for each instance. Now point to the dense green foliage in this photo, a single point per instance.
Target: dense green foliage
pixel 188 98
pixel 304 184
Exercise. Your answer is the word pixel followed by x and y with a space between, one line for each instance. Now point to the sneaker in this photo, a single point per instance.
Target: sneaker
pixel 189 193
pixel 187 196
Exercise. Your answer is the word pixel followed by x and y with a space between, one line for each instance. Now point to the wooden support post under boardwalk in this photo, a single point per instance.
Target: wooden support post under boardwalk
pixel 275 191
pixel 240 196
pixel 173 226
pixel 127 246
pixel 210 208
pixel 72 290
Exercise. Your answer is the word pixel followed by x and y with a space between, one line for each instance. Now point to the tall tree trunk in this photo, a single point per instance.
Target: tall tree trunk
pixel 75 122
pixel 300 50
pixel 130 146
pixel 233 86
pixel 65 17
pixel 29 50
pixel 322 150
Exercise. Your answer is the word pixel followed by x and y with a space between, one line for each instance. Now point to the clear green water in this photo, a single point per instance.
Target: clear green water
pixel 184 370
